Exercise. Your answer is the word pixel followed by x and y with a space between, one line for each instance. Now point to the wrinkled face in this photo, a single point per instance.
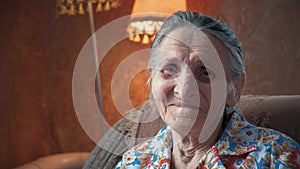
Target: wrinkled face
pixel 187 69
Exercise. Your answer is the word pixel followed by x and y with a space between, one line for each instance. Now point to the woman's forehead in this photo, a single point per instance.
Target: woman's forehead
pixel 188 39
pixel 185 36
pixel 195 46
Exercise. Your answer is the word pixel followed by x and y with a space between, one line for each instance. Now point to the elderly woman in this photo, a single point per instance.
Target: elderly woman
pixel 197 75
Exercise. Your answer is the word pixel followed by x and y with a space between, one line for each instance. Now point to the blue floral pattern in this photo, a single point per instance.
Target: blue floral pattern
pixel 242 145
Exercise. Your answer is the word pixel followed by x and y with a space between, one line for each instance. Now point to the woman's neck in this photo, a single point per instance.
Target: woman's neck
pixel 188 151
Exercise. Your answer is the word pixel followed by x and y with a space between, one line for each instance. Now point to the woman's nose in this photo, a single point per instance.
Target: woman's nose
pixel 185 85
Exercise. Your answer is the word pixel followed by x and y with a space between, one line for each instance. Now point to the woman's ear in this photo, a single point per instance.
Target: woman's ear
pixel 235 88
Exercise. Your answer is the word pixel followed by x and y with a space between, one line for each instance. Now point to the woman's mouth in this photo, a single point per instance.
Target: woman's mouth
pixel 184 105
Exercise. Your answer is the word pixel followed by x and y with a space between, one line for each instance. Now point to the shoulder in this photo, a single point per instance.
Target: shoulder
pixel 279 145
pixel 276 149
pixel 136 156
pixel 273 147
pixel 274 138
pixel 262 146
pixel 266 136
pixel 140 155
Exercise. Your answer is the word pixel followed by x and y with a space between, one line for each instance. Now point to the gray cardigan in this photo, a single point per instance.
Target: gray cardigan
pixel 122 136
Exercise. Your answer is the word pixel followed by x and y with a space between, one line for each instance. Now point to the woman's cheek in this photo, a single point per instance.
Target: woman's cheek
pixel 160 100
pixel 159 90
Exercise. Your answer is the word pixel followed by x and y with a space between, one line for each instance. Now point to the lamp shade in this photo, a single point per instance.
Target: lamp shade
pixel 161 6
pixel 147 17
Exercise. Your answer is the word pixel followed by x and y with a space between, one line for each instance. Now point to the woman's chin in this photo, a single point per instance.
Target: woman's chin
pixel 182 120
pixel 180 124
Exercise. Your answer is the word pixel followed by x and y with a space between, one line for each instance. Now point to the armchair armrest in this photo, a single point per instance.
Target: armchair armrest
pixel 58 161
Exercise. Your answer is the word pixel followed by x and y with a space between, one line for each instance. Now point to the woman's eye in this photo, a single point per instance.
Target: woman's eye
pixel 204 74
pixel 169 71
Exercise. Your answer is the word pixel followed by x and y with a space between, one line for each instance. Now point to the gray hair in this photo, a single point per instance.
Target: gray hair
pixel 208 25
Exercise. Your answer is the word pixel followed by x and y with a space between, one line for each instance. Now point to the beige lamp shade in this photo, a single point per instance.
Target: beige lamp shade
pixel 148 16
pixel 161 6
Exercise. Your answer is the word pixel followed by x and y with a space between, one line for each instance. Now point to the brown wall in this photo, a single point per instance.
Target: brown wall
pixel 39 51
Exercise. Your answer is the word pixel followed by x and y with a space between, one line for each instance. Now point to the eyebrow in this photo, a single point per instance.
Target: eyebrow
pixel 177 42
pixel 170 59
pixel 199 61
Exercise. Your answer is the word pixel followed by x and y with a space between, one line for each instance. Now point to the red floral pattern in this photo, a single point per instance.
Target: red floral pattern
pixel 242 145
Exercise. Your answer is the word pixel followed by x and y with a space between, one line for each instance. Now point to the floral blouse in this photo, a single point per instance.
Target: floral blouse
pixel 242 145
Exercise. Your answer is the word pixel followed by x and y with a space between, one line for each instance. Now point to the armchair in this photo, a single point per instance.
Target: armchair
pixel 278 112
